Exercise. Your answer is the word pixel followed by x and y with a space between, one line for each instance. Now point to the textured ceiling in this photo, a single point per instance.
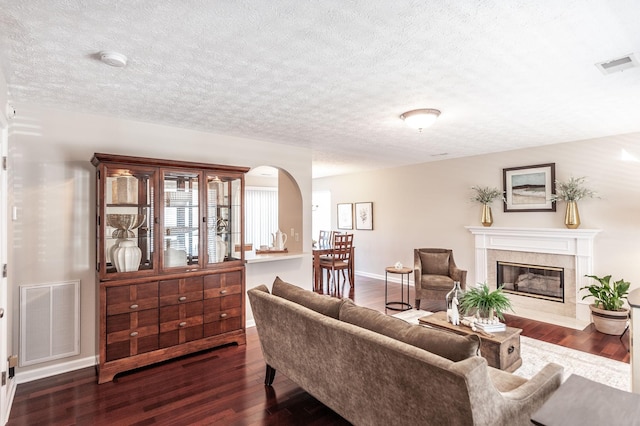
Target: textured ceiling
pixel 334 75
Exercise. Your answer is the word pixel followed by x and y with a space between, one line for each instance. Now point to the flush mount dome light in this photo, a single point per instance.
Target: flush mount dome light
pixel 114 59
pixel 420 118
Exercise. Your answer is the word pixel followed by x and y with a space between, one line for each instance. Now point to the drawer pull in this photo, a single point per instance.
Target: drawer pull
pixel 223 315
pixel 182 324
pixel 223 291
pixel 134 334
pixel 182 298
pixel 511 349
pixel 134 306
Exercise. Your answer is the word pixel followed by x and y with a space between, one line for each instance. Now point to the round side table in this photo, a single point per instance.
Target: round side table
pixel 402 305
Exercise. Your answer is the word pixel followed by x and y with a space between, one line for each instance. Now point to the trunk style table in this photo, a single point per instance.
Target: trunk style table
pixel 501 349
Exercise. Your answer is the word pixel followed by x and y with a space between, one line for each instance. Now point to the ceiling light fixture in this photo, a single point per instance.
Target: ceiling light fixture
pixel 114 59
pixel 420 118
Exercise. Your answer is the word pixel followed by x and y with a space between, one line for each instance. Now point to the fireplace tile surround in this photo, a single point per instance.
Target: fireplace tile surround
pixel 570 249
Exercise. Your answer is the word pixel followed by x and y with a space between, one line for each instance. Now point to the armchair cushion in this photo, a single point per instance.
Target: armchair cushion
pixel 436 282
pixel 439 342
pixel 435 263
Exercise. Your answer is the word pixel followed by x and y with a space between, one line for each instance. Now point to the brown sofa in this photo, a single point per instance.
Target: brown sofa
pixel 343 355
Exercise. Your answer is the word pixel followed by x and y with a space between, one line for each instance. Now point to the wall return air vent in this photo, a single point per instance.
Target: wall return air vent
pixel 619 64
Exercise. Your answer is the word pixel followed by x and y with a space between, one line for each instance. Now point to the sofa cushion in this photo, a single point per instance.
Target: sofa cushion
pixel 444 343
pixel 440 342
pixel 373 320
pixel 323 304
pixel 435 263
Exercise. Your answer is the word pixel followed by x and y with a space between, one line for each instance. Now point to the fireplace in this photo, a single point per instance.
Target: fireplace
pixel 568 250
pixel 543 282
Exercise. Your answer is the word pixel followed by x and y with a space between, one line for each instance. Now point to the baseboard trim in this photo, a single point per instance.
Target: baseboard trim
pixel 11 393
pixel 52 370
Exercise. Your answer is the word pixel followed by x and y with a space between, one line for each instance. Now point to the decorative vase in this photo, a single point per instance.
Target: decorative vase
pixel 453 299
pixel 572 216
pixel 487 219
pixel 126 256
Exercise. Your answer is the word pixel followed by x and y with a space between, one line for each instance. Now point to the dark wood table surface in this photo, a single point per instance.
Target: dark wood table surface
pixel 583 402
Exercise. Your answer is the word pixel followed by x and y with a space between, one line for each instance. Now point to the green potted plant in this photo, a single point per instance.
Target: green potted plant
pixel 572 191
pixel 608 314
pixel 485 196
pixel 484 302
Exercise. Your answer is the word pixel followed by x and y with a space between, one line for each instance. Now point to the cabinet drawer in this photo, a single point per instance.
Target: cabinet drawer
pixel 182 290
pixel 180 323
pixel 223 284
pixel 174 317
pixel 222 325
pixel 221 307
pixel 211 316
pixel 131 298
pixel 131 334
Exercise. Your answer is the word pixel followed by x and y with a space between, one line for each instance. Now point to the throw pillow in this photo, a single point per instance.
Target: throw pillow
pixel 440 342
pixel 435 263
pixel 323 304
pixel 444 343
pixel 373 320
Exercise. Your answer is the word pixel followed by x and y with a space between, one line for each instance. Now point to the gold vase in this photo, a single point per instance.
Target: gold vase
pixel 572 216
pixel 487 219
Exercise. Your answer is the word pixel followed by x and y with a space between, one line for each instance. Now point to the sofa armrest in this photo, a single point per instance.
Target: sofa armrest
pixel 538 388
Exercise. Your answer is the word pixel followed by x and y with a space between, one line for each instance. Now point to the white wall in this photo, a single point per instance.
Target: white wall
pixel 427 205
pixel 53 186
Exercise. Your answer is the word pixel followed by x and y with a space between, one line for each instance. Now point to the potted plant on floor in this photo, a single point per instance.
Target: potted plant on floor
pixel 607 312
pixel 486 303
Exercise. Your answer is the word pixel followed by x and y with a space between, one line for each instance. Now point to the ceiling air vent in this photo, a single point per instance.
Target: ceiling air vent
pixel 617 65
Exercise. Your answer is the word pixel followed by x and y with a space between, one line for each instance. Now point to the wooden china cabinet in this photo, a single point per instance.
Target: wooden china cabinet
pixel 169 259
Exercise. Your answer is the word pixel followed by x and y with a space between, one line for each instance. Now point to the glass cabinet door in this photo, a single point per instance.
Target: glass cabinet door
pixel 128 219
pixel 181 219
pixel 223 219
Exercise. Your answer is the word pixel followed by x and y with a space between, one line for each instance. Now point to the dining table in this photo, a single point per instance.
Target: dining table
pixel 323 250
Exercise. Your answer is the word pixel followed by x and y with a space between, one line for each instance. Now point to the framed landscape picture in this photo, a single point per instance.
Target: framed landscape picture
pixel 529 188
pixel 364 216
pixel 345 216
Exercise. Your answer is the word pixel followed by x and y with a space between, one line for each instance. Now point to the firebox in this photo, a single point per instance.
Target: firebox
pixel 542 282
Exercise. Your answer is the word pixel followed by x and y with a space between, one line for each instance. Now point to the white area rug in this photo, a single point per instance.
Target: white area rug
pixel 536 354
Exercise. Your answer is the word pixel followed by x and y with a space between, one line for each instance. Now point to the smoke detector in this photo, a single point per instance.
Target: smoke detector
pixel 114 59
pixel 619 64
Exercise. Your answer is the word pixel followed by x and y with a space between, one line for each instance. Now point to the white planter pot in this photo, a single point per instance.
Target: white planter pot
pixel 609 322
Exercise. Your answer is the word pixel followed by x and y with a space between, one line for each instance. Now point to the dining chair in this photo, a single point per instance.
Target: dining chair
pixel 325 239
pixel 339 260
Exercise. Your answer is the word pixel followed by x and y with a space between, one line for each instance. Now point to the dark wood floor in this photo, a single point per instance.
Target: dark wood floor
pixel 225 385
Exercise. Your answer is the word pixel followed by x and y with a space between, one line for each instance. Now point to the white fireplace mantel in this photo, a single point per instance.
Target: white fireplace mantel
pixel 577 243
pixel 572 242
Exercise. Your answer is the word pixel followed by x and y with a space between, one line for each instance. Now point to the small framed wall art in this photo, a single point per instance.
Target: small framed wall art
pixel 364 216
pixel 345 216
pixel 529 188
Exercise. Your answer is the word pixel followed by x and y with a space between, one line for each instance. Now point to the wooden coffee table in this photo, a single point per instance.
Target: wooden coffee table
pixel 502 350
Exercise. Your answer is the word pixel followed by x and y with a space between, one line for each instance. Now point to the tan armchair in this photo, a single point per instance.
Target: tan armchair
pixel 434 274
